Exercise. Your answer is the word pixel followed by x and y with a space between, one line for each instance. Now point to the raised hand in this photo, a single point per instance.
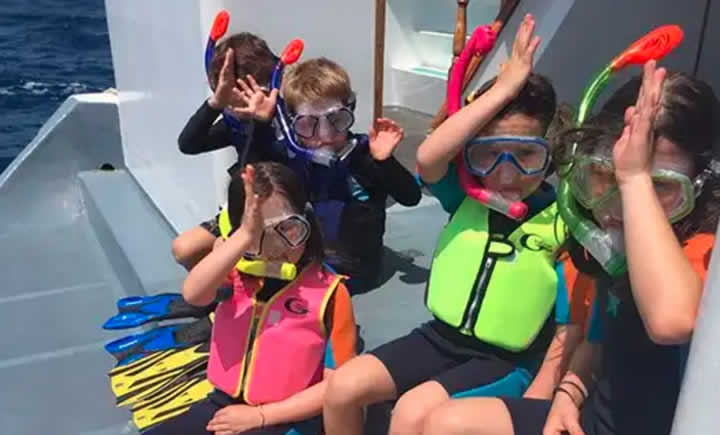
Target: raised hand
pixel 225 91
pixel 516 70
pixel 632 153
pixel 257 102
pixel 385 135
pixel 252 221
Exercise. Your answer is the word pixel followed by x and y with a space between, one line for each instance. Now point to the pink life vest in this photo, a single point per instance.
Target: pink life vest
pixel 270 351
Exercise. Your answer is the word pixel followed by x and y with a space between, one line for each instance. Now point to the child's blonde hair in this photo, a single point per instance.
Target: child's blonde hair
pixel 316 79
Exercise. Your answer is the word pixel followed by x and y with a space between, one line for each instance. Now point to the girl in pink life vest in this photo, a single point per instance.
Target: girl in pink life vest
pixel 287 322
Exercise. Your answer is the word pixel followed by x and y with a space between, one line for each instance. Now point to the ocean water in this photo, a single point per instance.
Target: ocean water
pixel 49 49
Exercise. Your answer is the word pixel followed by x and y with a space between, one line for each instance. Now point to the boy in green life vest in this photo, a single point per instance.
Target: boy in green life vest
pixel 493 281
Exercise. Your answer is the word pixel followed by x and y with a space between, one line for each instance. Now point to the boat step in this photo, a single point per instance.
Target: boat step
pixel 136 238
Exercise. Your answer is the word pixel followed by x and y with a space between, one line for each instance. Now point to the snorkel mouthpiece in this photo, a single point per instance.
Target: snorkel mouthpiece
pixel 597 242
pixel 513 209
pixel 268 269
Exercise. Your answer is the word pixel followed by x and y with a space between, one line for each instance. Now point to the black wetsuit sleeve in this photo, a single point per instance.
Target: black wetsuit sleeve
pixel 390 176
pixel 202 134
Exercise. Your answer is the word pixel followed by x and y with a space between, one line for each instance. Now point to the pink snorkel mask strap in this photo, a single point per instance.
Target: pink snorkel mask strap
pixel 481 42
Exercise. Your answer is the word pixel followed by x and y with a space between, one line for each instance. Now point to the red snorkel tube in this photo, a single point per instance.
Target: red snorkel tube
pixel 481 42
pixel 217 31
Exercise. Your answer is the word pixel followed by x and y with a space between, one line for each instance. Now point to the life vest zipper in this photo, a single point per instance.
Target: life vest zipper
pixel 477 296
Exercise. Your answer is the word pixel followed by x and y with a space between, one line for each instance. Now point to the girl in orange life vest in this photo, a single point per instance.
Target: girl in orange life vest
pixel 274 339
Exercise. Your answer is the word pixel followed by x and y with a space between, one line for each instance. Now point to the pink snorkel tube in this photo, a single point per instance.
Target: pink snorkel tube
pixel 481 42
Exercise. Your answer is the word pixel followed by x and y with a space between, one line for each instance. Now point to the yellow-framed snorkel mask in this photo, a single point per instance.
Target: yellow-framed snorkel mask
pixel 264 269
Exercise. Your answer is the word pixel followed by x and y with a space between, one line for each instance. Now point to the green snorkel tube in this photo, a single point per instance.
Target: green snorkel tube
pixel 653 46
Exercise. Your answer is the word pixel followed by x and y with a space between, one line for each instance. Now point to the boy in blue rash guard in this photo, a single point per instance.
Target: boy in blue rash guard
pixel 350 197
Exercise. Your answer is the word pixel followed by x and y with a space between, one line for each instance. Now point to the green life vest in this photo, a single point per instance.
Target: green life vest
pixel 496 288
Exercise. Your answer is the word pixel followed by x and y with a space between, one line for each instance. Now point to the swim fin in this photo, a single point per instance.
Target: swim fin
pixel 173 402
pixel 176 336
pixel 138 310
pixel 162 385
pixel 150 374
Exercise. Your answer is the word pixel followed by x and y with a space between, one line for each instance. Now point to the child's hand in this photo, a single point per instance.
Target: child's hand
pixel 564 417
pixel 235 419
pixel 633 151
pixel 226 94
pixel 385 135
pixel 516 70
pixel 257 104
pixel 252 220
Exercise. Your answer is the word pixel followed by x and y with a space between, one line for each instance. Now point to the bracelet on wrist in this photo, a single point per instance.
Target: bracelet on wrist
pixel 560 389
pixel 576 386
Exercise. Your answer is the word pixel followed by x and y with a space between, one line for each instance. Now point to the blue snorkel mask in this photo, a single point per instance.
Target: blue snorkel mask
pixel 528 154
pixel 287 123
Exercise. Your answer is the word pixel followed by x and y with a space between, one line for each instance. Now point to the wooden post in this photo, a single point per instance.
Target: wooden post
pixel 380 6
pixel 460 28
pixel 507 7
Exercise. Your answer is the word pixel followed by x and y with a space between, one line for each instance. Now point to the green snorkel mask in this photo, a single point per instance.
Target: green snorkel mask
pixel 598 242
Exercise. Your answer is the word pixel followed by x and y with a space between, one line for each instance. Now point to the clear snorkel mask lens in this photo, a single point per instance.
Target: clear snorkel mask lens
pixel 338 120
pixel 327 126
pixel 281 234
pixel 593 185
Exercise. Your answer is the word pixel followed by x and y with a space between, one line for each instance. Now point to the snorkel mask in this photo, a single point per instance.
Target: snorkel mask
pixel 305 126
pixel 604 245
pixel 479 158
pixel 291 231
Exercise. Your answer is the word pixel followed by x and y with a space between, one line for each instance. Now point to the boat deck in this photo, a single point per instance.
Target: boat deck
pixel 74 239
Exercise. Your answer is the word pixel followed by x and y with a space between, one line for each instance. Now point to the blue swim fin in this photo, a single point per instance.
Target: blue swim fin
pixel 177 336
pixel 139 310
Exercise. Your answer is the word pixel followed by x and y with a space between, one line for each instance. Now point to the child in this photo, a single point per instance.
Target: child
pixel 657 188
pixel 492 284
pixel 271 338
pixel 349 198
pixel 241 56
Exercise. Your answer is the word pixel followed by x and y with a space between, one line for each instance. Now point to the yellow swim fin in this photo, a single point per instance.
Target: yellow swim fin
pixel 172 401
pixel 130 383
